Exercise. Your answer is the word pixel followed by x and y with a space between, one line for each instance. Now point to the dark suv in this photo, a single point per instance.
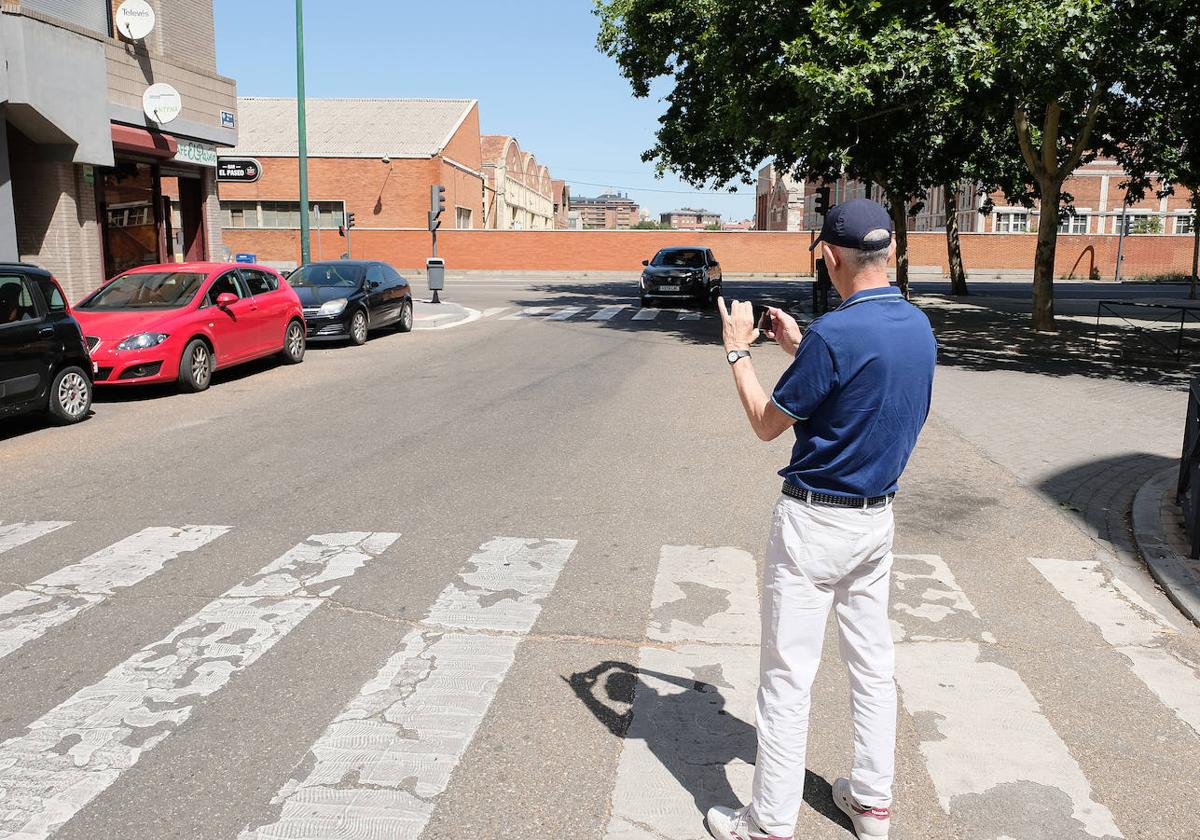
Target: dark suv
pixel 44 364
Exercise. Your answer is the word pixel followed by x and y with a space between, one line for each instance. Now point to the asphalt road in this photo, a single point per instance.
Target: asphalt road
pixel 499 581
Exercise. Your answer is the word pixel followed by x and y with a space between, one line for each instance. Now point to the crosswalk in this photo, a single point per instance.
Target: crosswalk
pixel 683 704
pixel 643 316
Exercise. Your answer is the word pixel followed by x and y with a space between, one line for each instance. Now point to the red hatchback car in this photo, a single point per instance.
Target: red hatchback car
pixel 182 321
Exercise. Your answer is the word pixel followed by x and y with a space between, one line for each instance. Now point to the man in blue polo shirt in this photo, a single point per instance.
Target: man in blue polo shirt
pixel 857 394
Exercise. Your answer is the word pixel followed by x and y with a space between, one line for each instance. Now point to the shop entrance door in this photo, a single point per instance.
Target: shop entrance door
pixel 130 216
pixel 184 201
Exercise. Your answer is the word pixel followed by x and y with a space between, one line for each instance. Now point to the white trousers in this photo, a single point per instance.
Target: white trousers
pixel 820 556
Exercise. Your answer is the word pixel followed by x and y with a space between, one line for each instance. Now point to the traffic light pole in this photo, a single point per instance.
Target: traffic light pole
pixel 302 136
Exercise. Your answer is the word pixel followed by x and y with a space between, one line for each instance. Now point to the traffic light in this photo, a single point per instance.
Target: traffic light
pixel 437 203
pixel 349 220
pixel 821 201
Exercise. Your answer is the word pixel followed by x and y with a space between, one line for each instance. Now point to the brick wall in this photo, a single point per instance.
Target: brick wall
pixel 55 211
pixel 738 251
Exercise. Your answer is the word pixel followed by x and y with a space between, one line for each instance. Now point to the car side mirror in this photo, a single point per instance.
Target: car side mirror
pixel 645 262
pixel 226 300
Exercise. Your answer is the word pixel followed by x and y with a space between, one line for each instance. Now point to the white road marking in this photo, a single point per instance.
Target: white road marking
pixel 527 312
pixel 607 313
pixel 18 533
pixel 77 750
pixel 1134 628
pixel 377 769
pixel 495 310
pixel 693 702
pixel 688 316
pixel 983 734
pixel 31 611
pixel 646 314
pixel 565 313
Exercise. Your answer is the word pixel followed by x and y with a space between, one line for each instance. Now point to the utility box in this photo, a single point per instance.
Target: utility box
pixel 435 274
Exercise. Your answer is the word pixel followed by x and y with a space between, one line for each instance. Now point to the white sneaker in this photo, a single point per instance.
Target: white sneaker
pixel 736 824
pixel 869 823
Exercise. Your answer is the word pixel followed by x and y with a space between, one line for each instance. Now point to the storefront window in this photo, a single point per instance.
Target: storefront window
pixel 131 231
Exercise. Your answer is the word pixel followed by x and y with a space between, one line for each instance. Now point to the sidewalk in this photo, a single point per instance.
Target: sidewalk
pixel 440 316
pixel 1160 535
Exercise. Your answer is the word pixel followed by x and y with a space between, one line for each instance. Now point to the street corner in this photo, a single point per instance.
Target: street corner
pixel 1160 531
pixel 442 316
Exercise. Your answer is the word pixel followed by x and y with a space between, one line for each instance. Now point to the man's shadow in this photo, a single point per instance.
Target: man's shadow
pixel 691 733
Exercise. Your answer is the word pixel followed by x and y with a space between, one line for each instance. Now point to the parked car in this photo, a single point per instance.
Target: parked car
pixel 180 322
pixel 44 365
pixel 682 273
pixel 348 298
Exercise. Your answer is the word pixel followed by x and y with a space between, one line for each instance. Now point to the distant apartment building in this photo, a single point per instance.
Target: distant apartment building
pixel 1099 205
pixel 689 218
pixel 519 193
pixel 112 120
pixel 610 211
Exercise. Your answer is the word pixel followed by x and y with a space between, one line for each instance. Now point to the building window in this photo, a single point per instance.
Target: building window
pixel 1010 221
pixel 1138 223
pixel 462 218
pixel 1185 224
pixel 1077 223
pixel 281 215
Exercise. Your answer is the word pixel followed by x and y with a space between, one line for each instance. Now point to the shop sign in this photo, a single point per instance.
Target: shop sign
pixel 162 103
pixel 238 170
pixel 228 120
pixel 191 151
pixel 134 19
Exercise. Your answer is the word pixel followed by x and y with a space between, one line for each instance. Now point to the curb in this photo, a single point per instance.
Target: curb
pixel 454 316
pixel 1178 575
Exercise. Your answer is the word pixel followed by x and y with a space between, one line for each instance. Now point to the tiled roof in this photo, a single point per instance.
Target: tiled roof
pixel 492 146
pixel 349 127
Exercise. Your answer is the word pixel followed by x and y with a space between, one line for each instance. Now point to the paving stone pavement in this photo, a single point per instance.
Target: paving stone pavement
pixel 1086 443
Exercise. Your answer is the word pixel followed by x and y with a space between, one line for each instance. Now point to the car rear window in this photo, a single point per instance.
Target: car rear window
pixel 55 301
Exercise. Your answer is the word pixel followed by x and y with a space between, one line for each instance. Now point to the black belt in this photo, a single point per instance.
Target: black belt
pixel 803 495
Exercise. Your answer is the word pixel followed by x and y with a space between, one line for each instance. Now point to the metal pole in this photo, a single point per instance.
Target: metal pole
pixel 302 136
pixel 1121 242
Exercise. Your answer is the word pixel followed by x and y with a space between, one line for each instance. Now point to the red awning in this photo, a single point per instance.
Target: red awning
pixel 126 138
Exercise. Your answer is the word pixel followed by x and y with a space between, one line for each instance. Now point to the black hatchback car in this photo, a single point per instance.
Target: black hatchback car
pixel 44 364
pixel 682 273
pixel 347 298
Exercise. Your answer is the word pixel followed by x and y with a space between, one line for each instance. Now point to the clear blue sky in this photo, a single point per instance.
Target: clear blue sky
pixel 532 65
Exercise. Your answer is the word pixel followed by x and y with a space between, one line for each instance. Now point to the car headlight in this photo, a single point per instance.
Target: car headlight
pixel 333 307
pixel 142 341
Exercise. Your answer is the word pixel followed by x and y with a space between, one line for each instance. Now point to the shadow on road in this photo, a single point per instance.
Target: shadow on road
pixel 690 733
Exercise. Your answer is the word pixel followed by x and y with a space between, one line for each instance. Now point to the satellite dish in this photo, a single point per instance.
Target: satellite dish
pixel 162 103
pixel 134 19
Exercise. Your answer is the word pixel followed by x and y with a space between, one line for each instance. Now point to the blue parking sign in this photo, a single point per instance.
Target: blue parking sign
pixel 246 258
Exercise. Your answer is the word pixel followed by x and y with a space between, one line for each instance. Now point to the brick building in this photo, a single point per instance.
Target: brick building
pixel 100 171
pixel 562 204
pixel 608 211
pixel 375 158
pixel 519 193
pixel 785 204
pixel 689 218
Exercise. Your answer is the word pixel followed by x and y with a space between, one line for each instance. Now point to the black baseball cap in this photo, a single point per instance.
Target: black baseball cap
pixel 860 223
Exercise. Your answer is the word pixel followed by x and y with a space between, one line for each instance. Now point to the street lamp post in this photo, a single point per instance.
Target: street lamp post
pixel 302 136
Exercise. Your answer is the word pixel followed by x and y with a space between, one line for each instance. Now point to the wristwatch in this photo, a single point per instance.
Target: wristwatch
pixel 733 355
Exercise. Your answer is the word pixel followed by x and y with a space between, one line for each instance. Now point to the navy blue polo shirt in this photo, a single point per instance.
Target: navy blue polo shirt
pixel 859 389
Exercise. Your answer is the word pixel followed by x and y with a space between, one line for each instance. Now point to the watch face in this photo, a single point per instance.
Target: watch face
pixel 733 356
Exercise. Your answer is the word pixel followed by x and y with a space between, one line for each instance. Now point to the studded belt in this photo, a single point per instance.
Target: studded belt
pixel 803 495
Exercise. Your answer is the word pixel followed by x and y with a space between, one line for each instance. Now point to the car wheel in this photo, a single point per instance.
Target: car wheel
pixel 70 396
pixel 358 328
pixel 195 367
pixel 405 324
pixel 293 344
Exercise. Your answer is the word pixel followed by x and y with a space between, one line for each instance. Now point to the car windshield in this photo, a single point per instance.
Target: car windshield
pixel 147 290
pixel 311 276
pixel 683 259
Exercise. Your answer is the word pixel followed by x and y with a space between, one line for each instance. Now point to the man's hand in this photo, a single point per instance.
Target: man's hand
pixel 784 329
pixel 738 329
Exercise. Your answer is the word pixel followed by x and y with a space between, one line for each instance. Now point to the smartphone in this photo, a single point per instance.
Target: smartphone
pixel 762 316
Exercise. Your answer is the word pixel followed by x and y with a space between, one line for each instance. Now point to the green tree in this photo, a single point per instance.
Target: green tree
pixel 649 224
pixel 1063 69
pixel 1163 110
pixel 863 88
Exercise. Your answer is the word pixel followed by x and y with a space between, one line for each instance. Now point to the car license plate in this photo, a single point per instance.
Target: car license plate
pixel 668 288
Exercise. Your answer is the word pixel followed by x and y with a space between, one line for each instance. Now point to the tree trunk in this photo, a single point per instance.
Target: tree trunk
pixel 958 277
pixel 900 222
pixel 1195 243
pixel 1043 261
